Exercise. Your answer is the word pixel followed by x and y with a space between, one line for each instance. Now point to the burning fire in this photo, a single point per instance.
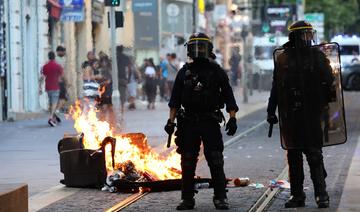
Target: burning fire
pixel 140 154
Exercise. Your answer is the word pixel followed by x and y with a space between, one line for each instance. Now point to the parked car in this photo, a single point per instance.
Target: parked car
pixel 351 77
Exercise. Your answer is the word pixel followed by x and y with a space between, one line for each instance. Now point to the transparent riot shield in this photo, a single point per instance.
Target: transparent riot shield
pixel 310 98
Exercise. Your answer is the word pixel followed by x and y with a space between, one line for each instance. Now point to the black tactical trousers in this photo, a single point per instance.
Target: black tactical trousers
pixel 296 171
pixel 192 133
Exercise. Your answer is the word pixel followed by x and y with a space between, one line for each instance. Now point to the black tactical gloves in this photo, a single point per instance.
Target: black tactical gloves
pixel 169 127
pixel 231 126
pixel 272 119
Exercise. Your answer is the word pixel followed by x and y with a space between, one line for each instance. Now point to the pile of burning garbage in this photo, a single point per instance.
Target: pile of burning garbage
pixel 98 157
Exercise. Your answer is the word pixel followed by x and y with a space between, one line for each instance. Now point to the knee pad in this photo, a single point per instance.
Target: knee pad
pixel 188 159
pixel 214 158
pixel 314 158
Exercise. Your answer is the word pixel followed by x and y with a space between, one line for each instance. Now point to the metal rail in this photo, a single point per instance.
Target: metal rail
pixel 126 202
pixel 269 194
pixel 135 197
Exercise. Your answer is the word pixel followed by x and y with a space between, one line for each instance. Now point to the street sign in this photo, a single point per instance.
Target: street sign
pixel 112 3
pixel 72 11
pixel 317 21
pixel 272 39
pixel 172 10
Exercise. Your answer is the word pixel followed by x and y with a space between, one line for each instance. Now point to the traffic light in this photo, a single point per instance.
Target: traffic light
pixel 112 3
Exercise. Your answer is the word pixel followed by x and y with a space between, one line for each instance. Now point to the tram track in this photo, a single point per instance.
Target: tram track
pixel 137 196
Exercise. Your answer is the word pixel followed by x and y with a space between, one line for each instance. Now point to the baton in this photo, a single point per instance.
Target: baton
pixel 169 140
pixel 270 130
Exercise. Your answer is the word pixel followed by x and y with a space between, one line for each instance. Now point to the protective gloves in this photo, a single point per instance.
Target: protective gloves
pixel 272 119
pixel 231 126
pixel 169 127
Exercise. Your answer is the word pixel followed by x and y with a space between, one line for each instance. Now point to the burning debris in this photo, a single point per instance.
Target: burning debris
pixel 99 157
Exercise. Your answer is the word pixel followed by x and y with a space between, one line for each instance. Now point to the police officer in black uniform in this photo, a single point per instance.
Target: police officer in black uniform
pixel 301 83
pixel 200 90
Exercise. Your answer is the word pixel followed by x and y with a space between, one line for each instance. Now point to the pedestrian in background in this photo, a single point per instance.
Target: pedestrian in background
pixel 52 73
pixel 172 72
pixel 123 64
pixel 234 63
pixel 150 83
pixel 134 78
pixel 63 96
pixel 164 66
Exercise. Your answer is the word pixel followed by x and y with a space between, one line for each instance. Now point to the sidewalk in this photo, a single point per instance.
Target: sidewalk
pixel 350 195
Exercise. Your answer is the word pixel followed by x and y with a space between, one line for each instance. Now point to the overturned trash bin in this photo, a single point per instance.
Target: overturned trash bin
pixel 82 167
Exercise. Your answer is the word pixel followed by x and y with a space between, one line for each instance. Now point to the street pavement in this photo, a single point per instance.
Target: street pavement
pixel 29 154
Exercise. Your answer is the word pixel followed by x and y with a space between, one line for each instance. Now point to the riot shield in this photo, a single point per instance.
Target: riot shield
pixel 310 98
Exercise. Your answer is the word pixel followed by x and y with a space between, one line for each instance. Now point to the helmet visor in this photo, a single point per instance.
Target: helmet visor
pixel 198 48
pixel 307 37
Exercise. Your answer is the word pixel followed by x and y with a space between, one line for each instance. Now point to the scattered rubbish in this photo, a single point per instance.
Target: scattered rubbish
pixel 248 156
pixel 241 182
pixel 260 147
pixel 283 184
pixel 240 147
pixel 201 185
pixel 257 185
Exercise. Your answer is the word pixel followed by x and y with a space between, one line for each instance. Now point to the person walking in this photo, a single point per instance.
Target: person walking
pixel 63 96
pixel 52 73
pixel 124 70
pixel 164 65
pixel 150 83
pixel 201 90
pixel 303 87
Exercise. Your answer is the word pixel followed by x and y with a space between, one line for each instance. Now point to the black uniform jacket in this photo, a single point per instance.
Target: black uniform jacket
pixel 226 90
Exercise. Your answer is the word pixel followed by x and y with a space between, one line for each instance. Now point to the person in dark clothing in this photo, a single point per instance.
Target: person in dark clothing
pixel 234 62
pixel 200 90
pixel 124 71
pixel 150 83
pixel 301 81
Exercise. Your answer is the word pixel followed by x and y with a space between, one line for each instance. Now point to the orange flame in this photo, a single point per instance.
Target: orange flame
pixel 140 153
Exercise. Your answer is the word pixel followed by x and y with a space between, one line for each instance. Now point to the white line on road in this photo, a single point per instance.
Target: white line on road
pixel 47 197
pixel 243 134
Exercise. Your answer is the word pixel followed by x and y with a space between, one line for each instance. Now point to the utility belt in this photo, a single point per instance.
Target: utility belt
pixel 216 115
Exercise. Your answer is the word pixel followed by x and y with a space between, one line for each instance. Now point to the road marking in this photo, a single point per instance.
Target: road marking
pixel 243 134
pixel 268 195
pixel 47 197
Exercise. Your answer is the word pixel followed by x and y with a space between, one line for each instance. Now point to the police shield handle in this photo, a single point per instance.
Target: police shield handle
pixel 270 130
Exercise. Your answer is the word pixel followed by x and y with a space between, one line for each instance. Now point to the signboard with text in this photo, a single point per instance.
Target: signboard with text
pixel 72 10
pixel 146 23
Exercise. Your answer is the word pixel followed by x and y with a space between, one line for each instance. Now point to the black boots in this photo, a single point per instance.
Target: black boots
pixel 221 203
pixel 189 204
pixel 186 204
pixel 296 201
pixel 322 201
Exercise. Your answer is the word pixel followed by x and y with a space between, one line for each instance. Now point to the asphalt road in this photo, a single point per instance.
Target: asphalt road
pixel 254 156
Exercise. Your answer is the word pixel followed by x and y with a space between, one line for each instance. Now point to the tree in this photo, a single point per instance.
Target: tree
pixel 341 16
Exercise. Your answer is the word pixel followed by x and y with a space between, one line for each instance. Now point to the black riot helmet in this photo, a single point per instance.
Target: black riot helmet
pixel 302 34
pixel 199 46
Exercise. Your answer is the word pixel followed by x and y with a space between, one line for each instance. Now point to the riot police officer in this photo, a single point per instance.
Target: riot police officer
pixel 302 89
pixel 200 90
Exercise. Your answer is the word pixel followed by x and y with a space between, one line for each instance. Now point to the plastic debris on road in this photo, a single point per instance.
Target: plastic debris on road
pixel 257 185
pixel 283 184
